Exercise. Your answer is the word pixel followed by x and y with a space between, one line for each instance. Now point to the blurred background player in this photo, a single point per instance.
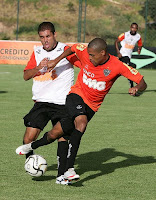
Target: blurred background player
pixel 128 41
pixel 49 91
pixel 99 70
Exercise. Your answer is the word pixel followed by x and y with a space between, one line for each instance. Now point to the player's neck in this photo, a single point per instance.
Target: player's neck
pixel 106 58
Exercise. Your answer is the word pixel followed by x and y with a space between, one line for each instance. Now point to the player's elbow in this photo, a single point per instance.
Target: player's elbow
pixel 25 77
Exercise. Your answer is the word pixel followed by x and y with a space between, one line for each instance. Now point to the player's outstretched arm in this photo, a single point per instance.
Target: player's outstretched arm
pixel 139 88
pixel 53 63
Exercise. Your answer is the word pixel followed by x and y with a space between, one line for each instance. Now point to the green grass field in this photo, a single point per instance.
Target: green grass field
pixel 117 155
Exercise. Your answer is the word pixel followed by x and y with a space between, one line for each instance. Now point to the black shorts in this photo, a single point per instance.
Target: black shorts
pixel 76 106
pixel 125 59
pixel 42 113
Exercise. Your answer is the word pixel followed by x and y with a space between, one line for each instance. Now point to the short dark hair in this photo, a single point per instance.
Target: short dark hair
pixel 46 26
pixel 134 23
pixel 98 44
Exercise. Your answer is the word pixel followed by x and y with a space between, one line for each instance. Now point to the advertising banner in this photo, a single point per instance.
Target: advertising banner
pixel 16 52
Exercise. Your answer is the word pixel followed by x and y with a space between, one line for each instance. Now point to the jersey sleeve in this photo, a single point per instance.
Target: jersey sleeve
pixel 121 36
pixel 78 49
pixel 32 62
pixel 140 42
pixel 73 59
pixel 130 73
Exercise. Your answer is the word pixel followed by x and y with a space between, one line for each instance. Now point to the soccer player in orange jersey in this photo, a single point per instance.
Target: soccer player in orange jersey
pixel 98 71
pixel 128 40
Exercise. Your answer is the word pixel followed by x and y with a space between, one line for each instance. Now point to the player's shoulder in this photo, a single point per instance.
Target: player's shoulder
pixel 115 62
pixel 38 48
pixel 60 44
pixel 80 46
pixel 138 35
pixel 114 58
pixel 121 35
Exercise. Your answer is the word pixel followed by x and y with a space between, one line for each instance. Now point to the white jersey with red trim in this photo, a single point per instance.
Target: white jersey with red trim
pixel 52 86
pixel 128 43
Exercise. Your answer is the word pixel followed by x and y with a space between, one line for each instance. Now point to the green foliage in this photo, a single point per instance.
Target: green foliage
pixel 149 8
pixel 27 28
pixel 150 42
pixel 4 36
pixel 94 3
pixel 70 7
pixel 44 8
pixel 32 1
pixel 8 21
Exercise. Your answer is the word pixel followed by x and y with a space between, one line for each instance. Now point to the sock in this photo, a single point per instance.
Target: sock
pixel 74 143
pixel 28 154
pixel 41 142
pixel 62 152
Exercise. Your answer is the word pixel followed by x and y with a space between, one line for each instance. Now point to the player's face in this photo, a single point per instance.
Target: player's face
pixel 48 39
pixel 133 29
pixel 96 58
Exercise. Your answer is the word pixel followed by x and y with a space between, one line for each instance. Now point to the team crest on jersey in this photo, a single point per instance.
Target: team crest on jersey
pixel 106 72
pixel 131 69
pixel 81 47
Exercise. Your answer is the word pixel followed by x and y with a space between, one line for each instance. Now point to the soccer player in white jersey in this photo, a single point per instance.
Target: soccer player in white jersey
pixel 49 91
pixel 128 40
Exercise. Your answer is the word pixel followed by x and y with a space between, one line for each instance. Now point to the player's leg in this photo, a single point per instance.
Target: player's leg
pixel 62 152
pixel 35 121
pixel 31 134
pixel 126 60
pixel 78 110
pixel 47 138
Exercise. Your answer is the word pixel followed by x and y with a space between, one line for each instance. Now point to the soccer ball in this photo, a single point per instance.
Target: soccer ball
pixel 35 165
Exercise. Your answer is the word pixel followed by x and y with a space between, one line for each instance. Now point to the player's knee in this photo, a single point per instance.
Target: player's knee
pixel 55 133
pixel 81 124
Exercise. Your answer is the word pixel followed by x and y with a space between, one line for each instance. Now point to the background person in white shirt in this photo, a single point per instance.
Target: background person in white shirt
pixel 128 40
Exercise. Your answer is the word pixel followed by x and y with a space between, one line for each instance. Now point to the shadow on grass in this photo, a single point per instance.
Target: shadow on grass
pixel 43 178
pixel 150 90
pixel 127 92
pixel 95 161
pixel 2 92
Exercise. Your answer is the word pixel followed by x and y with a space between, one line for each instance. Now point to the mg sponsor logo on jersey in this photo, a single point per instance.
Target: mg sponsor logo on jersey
pixel 93 83
pixel 88 73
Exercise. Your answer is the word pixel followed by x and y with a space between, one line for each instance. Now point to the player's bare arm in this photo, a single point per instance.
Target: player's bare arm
pixel 53 63
pixel 139 49
pixel 30 73
pixel 117 41
pixel 140 87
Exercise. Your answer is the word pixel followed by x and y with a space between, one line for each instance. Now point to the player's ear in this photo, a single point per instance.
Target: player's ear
pixel 103 52
pixel 55 34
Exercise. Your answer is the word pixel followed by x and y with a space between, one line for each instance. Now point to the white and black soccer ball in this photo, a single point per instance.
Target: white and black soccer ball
pixel 35 165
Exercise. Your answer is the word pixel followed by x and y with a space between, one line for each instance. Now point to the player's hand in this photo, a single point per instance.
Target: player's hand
pixel 51 65
pixel 43 63
pixel 133 91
